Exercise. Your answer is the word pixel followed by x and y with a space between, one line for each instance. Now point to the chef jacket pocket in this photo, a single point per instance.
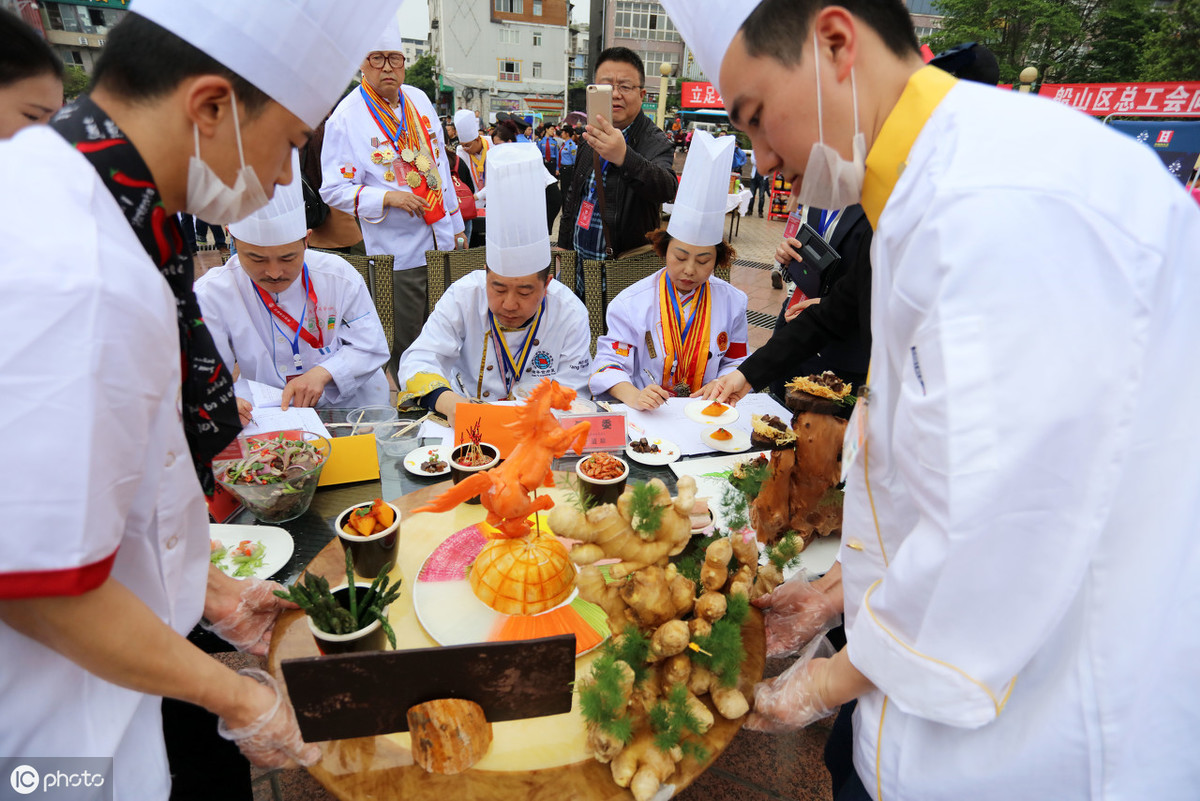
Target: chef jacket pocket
pixel 948 388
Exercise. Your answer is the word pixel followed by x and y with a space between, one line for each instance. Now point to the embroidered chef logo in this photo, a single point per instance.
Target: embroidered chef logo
pixel 348 170
pixel 621 348
pixel 722 341
pixel 330 322
pixel 541 363
pixel 24 779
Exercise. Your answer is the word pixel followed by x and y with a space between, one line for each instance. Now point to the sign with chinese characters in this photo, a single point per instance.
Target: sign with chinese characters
pixel 697 94
pixel 1102 99
pixel 607 432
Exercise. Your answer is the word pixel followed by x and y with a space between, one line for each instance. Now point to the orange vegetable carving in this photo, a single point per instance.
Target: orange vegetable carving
pixel 721 434
pixel 714 409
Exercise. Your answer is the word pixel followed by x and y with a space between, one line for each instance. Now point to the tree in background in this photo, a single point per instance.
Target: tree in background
pixel 421 75
pixel 1079 41
pixel 75 82
pixel 1171 50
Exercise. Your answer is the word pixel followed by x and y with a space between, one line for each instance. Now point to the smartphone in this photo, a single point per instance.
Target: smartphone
pixel 599 101
pixel 814 250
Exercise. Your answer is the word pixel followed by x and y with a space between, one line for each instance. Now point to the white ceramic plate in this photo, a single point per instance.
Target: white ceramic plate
pixel 695 411
pixel 415 457
pixel 667 452
pixel 277 542
pixel 739 443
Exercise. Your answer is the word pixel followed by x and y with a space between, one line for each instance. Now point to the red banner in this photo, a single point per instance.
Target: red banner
pixel 697 94
pixel 1102 99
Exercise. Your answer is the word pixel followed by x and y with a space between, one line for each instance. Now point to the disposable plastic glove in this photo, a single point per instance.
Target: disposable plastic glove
pixel 792 700
pixel 248 627
pixel 273 740
pixel 795 613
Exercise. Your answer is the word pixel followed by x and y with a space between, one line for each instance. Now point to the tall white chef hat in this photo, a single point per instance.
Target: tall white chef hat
pixel 390 39
pixel 281 221
pixel 699 214
pixel 301 53
pixel 517 241
pixel 467 125
pixel 708 27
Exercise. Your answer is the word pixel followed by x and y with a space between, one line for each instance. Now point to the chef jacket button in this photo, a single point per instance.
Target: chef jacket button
pixel 487 394
pixel 490 366
pixel 854 544
pixel 170 459
pixel 171 543
pixel 536 343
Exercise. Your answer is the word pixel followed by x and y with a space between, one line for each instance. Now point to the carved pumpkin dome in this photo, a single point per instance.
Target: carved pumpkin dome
pixel 523 576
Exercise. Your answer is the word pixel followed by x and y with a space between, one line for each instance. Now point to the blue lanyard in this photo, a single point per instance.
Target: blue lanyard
pixel 827 220
pixel 675 308
pixel 294 341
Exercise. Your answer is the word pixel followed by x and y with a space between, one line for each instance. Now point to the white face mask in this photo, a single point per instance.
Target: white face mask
pixel 831 182
pixel 210 199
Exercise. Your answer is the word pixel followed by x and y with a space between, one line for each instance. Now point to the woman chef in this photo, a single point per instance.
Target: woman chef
pixel 676 330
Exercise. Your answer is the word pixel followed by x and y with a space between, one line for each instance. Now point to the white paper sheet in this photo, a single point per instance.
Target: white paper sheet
pixel 275 419
pixel 264 395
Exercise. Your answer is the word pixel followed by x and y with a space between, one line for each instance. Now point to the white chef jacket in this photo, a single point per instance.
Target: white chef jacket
pixel 351 183
pixel 456 345
pixel 98 475
pixel 622 354
pixel 246 332
pixel 1028 605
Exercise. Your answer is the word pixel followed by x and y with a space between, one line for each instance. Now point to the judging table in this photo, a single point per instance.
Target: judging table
pixel 537 758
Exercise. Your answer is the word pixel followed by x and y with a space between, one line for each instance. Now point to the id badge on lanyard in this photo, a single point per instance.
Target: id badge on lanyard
pixel 585 214
pixel 792 227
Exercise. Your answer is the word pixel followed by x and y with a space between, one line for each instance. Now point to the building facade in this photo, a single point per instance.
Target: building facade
pixel 502 55
pixel 580 46
pixel 413 49
pixel 644 28
pixel 75 29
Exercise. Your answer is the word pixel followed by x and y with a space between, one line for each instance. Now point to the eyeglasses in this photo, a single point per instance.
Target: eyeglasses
pixel 376 60
pixel 623 88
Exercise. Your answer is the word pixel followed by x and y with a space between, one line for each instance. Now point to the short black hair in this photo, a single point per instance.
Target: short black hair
pixel 506 131
pixel 144 61
pixel 781 28
pixel 25 54
pixel 625 55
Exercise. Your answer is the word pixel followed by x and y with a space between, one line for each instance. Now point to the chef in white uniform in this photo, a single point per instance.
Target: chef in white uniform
pixel 296 319
pixel 104 548
pixel 1020 570
pixel 498 332
pixel 384 161
pixel 680 328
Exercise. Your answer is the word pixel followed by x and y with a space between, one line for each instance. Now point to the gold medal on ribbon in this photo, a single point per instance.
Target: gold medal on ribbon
pixel 389 175
pixel 408 155
pixel 423 163
pixel 413 179
pixel 431 179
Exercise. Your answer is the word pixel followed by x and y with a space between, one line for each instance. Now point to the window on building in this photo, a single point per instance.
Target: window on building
pixel 96 16
pixel 640 20
pixel 537 39
pixel 651 59
pixel 77 58
pixel 537 69
pixel 511 6
pixel 509 70
pixel 510 36
pixel 537 8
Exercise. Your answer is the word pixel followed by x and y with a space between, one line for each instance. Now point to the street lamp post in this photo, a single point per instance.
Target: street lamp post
pixel 664 69
pixel 1027 77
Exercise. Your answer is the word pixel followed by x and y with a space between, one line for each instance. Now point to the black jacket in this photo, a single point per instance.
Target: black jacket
pixel 633 193
pixel 843 316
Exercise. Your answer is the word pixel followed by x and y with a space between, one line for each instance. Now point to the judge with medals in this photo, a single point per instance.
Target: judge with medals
pixel 296 319
pixel 384 161
pixel 675 331
pixel 498 332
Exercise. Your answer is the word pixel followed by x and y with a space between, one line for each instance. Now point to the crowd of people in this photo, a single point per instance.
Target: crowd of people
pixel 1012 322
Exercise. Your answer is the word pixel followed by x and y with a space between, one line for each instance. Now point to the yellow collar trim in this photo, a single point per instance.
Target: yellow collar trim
pixel 889 153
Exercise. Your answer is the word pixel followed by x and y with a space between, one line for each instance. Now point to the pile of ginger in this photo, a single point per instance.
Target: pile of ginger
pixel 647 591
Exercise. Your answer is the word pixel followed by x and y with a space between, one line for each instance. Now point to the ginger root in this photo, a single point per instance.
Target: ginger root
pixel 592 587
pixel 676 670
pixel 769 577
pixel 669 639
pixel 701 680
pixel 745 547
pixel 729 701
pixel 711 606
pixel 648 596
pixel 742 581
pixel 642 767
pixel 699 627
pixel 715 571
pixel 703 714
pixel 683 591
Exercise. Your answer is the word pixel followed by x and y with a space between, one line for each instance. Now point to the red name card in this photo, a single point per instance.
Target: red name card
pixel 606 434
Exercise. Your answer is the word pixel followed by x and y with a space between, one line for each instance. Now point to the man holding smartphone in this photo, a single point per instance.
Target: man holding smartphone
pixel 623 171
